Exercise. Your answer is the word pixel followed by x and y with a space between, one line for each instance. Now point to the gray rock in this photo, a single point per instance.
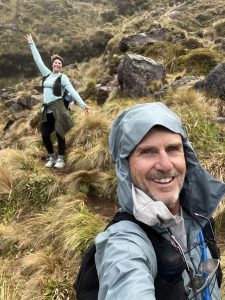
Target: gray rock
pixel 106 89
pixel 161 93
pixel 16 108
pixel 102 94
pixel 220 120
pixel 141 40
pixel 29 101
pixel 214 83
pixel 184 81
pixel 136 73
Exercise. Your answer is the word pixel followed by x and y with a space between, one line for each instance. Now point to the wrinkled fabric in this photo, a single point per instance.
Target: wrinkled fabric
pixel 125 258
pixel 63 121
pixel 151 212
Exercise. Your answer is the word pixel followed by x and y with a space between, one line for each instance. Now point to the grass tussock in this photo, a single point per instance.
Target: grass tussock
pixel 6 181
pixel 69 227
pixel 198 116
pixel 190 97
pixel 97 157
pixel 204 134
pixel 39 189
pixel 9 241
pixel 113 108
pixel 99 183
pixel 199 61
pixel 38 268
pixel 6 291
pixel 89 130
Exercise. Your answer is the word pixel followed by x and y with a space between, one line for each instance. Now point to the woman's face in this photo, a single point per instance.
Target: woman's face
pixel 56 66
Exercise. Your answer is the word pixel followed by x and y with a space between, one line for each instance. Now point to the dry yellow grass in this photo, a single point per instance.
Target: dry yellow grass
pixel 48 245
pixel 97 157
pixel 88 130
pixel 97 181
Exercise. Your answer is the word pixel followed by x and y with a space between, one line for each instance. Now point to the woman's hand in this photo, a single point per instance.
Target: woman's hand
pixel 86 110
pixel 28 37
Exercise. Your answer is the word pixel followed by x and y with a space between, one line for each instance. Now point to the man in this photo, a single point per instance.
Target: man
pixel 160 183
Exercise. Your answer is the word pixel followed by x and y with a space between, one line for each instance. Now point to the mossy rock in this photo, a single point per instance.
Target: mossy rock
pixel 165 52
pixel 202 17
pixel 206 15
pixel 199 61
pixel 192 43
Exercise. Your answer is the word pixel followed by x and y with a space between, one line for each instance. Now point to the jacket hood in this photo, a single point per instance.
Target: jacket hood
pixel 201 193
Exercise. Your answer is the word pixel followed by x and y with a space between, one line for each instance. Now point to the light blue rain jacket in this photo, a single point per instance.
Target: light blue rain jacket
pixel 125 258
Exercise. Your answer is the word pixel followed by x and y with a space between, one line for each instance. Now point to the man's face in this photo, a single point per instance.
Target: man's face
pixel 157 166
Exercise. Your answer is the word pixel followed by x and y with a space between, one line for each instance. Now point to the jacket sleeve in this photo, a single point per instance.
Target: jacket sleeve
pixel 68 86
pixel 38 60
pixel 126 264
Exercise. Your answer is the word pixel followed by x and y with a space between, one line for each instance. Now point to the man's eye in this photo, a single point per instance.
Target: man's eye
pixel 147 151
pixel 174 149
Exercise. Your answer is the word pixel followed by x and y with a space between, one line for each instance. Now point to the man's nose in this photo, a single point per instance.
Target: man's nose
pixel 164 162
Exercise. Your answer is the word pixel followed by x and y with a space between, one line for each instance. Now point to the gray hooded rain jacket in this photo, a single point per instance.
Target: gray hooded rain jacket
pixel 125 258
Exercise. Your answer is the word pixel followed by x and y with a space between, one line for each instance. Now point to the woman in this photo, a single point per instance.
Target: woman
pixel 55 117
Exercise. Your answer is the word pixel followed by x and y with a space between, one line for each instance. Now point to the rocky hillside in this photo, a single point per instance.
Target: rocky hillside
pixel 118 53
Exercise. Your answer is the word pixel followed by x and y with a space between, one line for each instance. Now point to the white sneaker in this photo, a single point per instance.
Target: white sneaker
pixel 50 163
pixel 60 163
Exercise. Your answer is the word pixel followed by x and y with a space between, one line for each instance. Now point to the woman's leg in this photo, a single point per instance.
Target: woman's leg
pixel 61 145
pixel 60 163
pixel 46 130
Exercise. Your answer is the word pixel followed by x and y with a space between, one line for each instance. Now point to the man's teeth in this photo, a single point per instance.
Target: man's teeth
pixel 163 180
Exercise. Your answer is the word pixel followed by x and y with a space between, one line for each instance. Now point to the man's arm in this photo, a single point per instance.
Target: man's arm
pixel 126 265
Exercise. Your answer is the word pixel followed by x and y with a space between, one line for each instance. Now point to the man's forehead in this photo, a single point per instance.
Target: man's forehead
pixel 157 131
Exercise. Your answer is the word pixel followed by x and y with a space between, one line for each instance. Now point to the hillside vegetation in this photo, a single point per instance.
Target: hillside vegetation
pixel 49 217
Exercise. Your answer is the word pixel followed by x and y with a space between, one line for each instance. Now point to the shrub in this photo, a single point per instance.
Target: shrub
pixel 202 17
pixel 191 43
pixel 166 52
pixel 56 289
pixel 199 61
pixel 108 16
pixel 219 27
pixel 38 189
pixel 9 207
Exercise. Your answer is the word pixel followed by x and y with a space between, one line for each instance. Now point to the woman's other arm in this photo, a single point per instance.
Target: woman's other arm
pixel 68 86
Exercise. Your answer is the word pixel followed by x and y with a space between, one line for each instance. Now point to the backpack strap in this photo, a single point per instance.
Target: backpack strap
pixel 43 80
pixel 208 232
pixel 57 86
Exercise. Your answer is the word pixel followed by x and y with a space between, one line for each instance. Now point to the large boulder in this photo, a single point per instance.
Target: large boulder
pixel 136 73
pixel 141 40
pixel 214 83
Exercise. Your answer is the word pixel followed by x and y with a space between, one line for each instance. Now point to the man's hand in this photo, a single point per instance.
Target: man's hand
pixel 28 37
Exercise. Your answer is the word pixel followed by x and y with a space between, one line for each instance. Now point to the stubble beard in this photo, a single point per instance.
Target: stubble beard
pixel 171 200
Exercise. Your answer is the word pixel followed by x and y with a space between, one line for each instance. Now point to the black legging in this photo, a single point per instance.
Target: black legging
pixel 47 129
